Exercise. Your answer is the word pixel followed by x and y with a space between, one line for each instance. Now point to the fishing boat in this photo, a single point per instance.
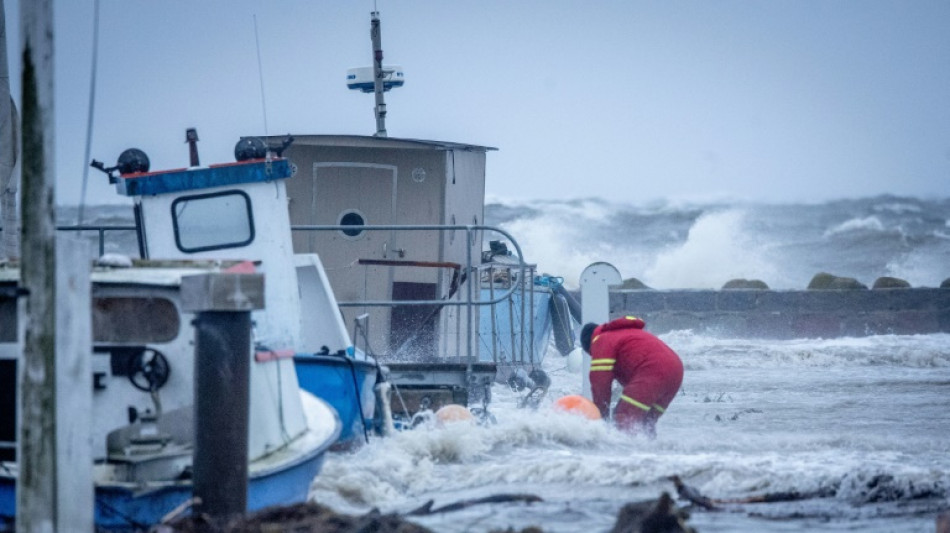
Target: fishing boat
pixel 197 220
pixel 400 226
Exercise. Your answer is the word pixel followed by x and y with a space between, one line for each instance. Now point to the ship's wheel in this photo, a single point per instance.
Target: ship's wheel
pixel 150 370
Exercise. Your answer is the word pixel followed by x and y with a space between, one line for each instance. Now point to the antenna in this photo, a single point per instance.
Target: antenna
pixel 377 78
pixel 260 73
pixel 376 35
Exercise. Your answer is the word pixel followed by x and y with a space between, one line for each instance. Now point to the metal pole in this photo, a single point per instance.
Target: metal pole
pixel 223 303
pixel 376 35
pixel 494 314
pixel 531 318
pixel 222 370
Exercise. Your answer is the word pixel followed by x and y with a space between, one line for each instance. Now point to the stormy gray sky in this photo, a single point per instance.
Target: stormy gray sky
pixel 633 101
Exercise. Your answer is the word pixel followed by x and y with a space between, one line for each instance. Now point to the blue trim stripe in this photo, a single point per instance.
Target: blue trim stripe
pixel 203 178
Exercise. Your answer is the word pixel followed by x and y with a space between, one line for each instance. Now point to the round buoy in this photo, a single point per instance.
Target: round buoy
pixel 577 404
pixel 574 360
pixel 453 413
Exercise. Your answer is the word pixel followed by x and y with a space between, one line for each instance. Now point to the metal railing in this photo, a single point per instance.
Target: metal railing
pixel 473 274
pixel 520 275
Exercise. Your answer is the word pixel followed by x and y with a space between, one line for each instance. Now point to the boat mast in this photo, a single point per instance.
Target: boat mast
pixel 378 73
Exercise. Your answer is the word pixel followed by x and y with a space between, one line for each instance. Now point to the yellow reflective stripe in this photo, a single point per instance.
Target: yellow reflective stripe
pixel 592 341
pixel 601 368
pixel 631 401
pixel 630 317
pixel 602 361
pixel 659 408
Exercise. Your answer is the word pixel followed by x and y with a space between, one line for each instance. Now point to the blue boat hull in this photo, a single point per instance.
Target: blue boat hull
pixel 121 508
pixel 347 385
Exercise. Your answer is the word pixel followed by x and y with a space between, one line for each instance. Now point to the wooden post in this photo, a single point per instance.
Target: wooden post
pixel 595 305
pixel 53 438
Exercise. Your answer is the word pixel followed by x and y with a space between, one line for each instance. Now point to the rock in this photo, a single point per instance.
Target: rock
pixel 887 282
pixel 945 284
pixel 825 281
pixel 652 516
pixel 745 284
pixel 634 284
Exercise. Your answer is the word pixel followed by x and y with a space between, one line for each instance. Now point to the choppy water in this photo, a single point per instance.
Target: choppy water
pixel 701 246
pixel 862 422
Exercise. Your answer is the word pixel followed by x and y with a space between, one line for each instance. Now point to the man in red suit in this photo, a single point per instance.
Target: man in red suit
pixel 651 373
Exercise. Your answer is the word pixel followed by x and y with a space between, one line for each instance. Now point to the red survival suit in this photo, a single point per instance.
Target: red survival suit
pixel 650 372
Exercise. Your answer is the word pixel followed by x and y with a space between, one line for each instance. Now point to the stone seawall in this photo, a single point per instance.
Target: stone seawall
pixel 789 314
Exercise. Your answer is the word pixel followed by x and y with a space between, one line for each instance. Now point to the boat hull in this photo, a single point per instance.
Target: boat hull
pixel 280 479
pixel 347 385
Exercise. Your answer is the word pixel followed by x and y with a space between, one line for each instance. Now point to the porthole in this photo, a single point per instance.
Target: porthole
pixel 354 219
pixel 418 174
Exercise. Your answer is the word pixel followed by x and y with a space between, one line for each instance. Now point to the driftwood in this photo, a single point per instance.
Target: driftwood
pixel 426 508
pixel 695 497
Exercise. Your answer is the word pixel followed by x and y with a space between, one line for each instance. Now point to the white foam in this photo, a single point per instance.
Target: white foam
pixel 717 249
pixel 871 223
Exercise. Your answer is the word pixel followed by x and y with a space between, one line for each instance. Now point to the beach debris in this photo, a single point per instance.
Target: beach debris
pixel 426 508
pixel 652 516
pixel 303 518
pixel 693 496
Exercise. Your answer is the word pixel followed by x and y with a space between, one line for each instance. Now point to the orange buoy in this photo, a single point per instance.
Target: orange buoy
pixel 453 413
pixel 577 404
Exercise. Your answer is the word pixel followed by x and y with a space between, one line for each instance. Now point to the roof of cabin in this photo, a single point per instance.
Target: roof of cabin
pixel 368 141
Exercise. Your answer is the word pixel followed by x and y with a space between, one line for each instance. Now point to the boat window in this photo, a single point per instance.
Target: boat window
pixel 212 221
pixel 352 218
pixel 134 320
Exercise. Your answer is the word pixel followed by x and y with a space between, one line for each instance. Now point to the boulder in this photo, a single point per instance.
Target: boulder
pixel 825 281
pixel 746 284
pixel 634 284
pixel 945 284
pixel 887 282
pixel 652 516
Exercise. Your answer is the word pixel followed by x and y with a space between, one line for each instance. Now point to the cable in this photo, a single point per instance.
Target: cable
pixel 92 102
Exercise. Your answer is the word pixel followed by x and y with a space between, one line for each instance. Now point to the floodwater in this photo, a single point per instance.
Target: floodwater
pixel 858 427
